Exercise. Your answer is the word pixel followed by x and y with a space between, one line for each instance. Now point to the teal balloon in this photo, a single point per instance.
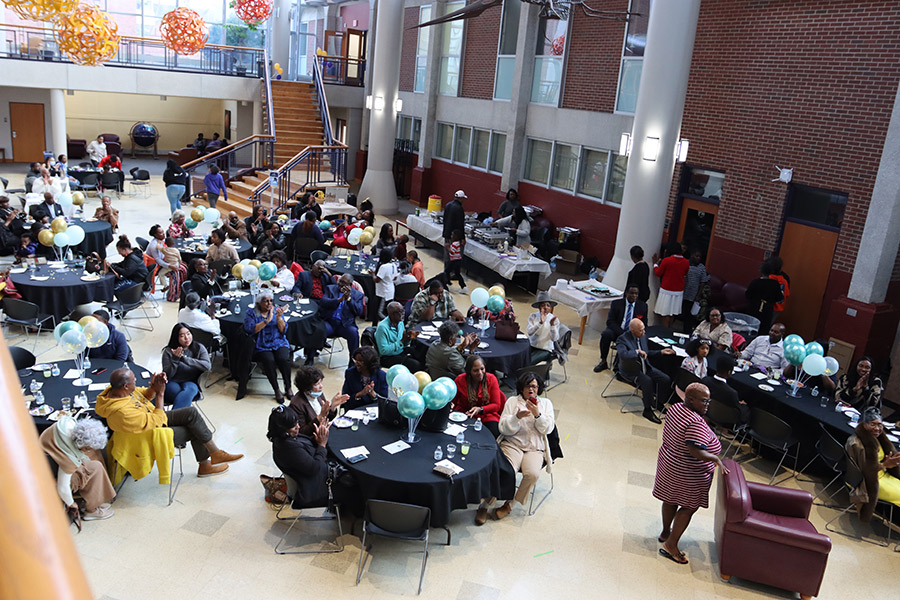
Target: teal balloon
pixel 435 395
pixel 393 372
pixel 815 348
pixel 795 354
pixel 495 304
pixel 411 405
pixel 64 327
pixel 449 387
pixel 324 225
pixel 794 339
pixel 190 223
pixel 267 270
pixel 479 297
pixel 61 239
pixel 211 214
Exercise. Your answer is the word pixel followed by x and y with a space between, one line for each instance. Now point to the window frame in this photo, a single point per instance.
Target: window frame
pixel 503 56
pixel 492 133
pixel 623 59
pixel 423 57
pixel 462 49
pixel 579 169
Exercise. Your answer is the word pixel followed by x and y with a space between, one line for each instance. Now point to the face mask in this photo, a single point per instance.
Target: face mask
pixel 315 394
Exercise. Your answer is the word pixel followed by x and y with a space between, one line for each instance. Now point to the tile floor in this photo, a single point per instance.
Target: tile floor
pixel 593 538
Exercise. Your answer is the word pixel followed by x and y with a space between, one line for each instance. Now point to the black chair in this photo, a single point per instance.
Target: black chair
pixel 625 370
pixel 770 431
pixel 26 315
pixel 127 300
pixel 683 379
pixel 853 478
pixel 140 180
pixel 148 286
pixel 292 487
pixel 552 441
pixel 562 355
pixel 110 181
pixel 541 369
pixel 398 521
pixel 831 453
pixel 90 182
pixel 406 291
pixel 142 243
pixel 727 418
pixel 367 338
pixel 318 255
pixel 208 341
pixel 22 358
pixel 186 288
pixel 303 249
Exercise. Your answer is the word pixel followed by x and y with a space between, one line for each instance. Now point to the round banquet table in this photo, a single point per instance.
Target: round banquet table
pixel 500 355
pixel 64 290
pixel 56 388
pixel 191 249
pixel 407 476
pixel 97 236
pixel 359 268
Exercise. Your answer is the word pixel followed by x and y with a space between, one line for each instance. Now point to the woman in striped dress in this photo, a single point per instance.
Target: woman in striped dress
pixel 687 458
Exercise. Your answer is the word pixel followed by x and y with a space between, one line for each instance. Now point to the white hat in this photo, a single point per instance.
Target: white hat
pixel 460 194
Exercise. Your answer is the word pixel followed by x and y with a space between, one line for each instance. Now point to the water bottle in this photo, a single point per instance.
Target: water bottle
pixel 477 425
pixel 39 397
pixel 55 370
pixel 87 362
pixel 553 265
pixel 35 386
pixel 237 308
pixel 460 437
pixel 438 453
pixel 815 391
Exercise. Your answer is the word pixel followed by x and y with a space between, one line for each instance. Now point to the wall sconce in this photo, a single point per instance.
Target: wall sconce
pixel 681 150
pixel 625 144
pixel 378 103
pixel 398 105
pixel 651 148
pixel 369 102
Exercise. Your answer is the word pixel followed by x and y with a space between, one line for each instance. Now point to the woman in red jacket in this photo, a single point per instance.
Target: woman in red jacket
pixel 478 394
pixel 671 272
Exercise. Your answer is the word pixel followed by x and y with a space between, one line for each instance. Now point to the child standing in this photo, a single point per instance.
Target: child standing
pixel 384 276
pixel 453 266
pixel 416 268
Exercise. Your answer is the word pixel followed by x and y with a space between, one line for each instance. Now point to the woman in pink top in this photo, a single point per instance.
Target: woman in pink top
pixel 671 272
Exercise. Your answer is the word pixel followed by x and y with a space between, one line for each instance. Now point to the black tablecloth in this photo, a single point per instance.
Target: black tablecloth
pixel 97 236
pixel 59 295
pixel 500 355
pixel 407 476
pixel 244 249
pixel 55 388
pixel 359 268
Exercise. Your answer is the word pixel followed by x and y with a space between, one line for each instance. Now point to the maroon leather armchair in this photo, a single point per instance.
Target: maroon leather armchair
pixel 763 534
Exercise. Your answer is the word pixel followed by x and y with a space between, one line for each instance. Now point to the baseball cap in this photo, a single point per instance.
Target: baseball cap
pixel 460 194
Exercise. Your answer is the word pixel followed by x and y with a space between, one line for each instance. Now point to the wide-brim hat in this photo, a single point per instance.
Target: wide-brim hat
pixel 541 298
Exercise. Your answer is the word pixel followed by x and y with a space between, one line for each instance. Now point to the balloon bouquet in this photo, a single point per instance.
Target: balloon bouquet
pixel 415 393
pixel 809 360
pixel 60 236
pixel 75 337
pixel 199 214
pixel 493 301
pixel 254 272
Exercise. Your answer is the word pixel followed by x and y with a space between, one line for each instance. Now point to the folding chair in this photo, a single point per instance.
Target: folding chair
pixel 621 369
pixel 116 456
pixel 541 369
pixel 770 431
pixel 406 291
pixel 550 440
pixel 565 343
pixel 318 255
pixel 127 300
pixel 91 182
pixel 683 379
pixel 728 418
pixel 26 314
pixel 208 341
pixel 303 249
pixel 110 181
pixel 831 453
pixel 22 358
pixel 292 488
pixel 140 180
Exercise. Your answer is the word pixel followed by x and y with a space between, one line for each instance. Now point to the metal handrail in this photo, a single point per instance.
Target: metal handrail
pixel 229 149
pixel 323 102
pixel 270 110
pixel 342 65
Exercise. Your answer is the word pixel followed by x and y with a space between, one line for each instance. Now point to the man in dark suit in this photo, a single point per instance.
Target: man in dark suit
pixel 339 308
pixel 48 208
pixel 634 365
pixel 720 390
pixel 454 217
pixel 621 312
pixel 313 283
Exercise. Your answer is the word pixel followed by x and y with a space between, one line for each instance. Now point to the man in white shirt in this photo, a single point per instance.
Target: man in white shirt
pixel 192 316
pixel 767 351
pixel 97 150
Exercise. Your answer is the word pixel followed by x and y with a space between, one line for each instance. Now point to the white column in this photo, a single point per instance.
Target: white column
pixel 281 34
pixel 660 106
pixel 58 122
pixel 378 183
pixel 881 235
pixel 432 87
pixel 523 74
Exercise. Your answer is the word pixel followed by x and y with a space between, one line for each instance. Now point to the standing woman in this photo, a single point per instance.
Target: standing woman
pixel 215 186
pixel 176 180
pixel 266 325
pixel 386 238
pixel 858 387
pixel 385 273
pixel 684 467
pixel 478 394
pixel 763 293
pixel 183 362
pixel 671 272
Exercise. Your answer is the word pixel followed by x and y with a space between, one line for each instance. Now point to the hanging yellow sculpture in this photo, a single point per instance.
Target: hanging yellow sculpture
pixel 87 35
pixel 184 31
pixel 41 10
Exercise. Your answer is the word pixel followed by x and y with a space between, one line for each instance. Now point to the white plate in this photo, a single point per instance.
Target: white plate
pixel 90 277
pixel 342 423
pixel 893 438
pixel 766 388
pixel 18 270
pixel 40 367
pixel 773 381
pixel 458 417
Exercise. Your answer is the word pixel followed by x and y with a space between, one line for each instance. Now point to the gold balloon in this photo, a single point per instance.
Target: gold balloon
pixel 236 270
pixel 85 321
pixel 370 230
pixel 58 225
pixel 197 214
pixel 45 237
pixel 96 334
pixel 77 198
pixel 497 290
pixel 41 10
pixel 424 379
pixel 255 263
pixel 87 35
pixel 366 238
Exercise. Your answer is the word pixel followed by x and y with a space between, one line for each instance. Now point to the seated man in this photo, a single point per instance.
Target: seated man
pixel 112 161
pixel 339 308
pixel 48 209
pixel 116 347
pixel 192 315
pixel 135 410
pixel 445 358
pixel 433 303
pixel 621 312
pixel 34 173
pixel 235 228
pixel 312 283
pixel 720 390
pixel 767 351
pixel 632 348
pixel 392 339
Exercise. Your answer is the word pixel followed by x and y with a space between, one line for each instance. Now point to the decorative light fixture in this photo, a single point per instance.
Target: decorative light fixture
pixel 87 35
pixel 651 148
pixel 378 103
pixel 681 150
pixel 184 31
pixel 369 102
pixel 398 105
pixel 625 144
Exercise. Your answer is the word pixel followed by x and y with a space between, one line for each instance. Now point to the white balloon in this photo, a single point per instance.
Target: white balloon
pixel 76 235
pixel 831 365
pixel 814 364
pixel 354 235
pixel 250 273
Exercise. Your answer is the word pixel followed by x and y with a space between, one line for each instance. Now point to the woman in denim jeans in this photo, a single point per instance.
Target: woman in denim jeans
pixel 175 179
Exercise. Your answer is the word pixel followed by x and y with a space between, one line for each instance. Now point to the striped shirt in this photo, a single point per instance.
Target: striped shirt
pixel 682 479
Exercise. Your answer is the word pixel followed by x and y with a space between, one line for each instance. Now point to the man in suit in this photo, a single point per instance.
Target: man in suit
pixel 313 283
pixel 621 312
pixel 339 308
pixel 634 365
pixel 48 208
pixel 720 390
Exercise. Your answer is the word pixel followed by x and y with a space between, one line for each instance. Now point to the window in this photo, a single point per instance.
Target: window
pixel 565 164
pixel 497 152
pixel 410 128
pixel 451 50
pixel 422 49
pixel 444 142
pixel 816 206
pixel 537 161
pixel 480 142
pixel 592 179
pixel 705 183
pixel 548 61
pixel 461 149
pixel 633 56
pixel 506 51
pixel 616 184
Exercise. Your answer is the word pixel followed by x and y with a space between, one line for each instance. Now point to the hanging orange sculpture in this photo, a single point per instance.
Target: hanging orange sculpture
pixel 253 12
pixel 87 35
pixel 184 31
pixel 41 10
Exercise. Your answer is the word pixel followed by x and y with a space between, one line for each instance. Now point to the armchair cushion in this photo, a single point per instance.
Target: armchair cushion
pixel 110 137
pixel 183 156
pixel 780 501
pixel 737 497
pixel 786 531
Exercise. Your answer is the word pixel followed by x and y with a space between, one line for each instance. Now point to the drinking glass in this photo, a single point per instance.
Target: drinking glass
pixel 66 404
pixel 365 418
pixel 464 449
pixel 355 425
pixel 451 450
pixel 823 401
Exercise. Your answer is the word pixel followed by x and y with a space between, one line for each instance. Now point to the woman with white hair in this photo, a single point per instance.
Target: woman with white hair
pixel 74 446
pixel 178 229
pixel 266 325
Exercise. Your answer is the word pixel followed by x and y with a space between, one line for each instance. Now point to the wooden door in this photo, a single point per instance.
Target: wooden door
pixel 697 224
pixel 807 253
pixel 355 53
pixel 26 122
pixel 335 46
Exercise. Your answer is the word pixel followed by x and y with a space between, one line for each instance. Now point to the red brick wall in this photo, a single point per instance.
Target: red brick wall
pixel 408 49
pixel 480 54
pixel 592 68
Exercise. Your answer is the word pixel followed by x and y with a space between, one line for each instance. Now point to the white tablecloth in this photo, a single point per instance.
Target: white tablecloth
pixel 505 266
pixel 582 302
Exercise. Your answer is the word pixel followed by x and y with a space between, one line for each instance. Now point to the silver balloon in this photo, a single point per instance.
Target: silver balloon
pixel 96 334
